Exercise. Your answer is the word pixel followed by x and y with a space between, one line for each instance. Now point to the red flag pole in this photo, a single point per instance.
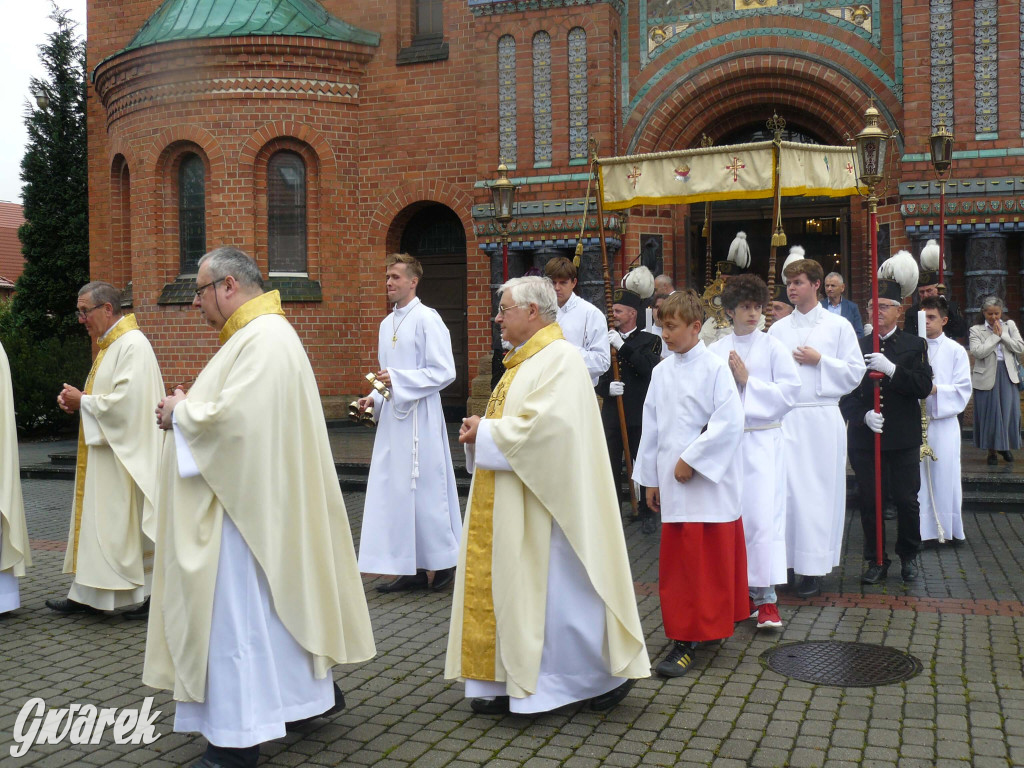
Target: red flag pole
pixel 875 376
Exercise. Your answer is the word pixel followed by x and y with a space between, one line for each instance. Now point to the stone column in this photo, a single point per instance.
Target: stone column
pixel 986 269
pixel 591 273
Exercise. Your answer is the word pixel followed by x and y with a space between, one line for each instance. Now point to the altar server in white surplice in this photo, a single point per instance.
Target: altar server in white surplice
pixel 544 612
pixel 769 384
pixel 256 593
pixel 951 392
pixel 830 364
pixel 14 547
pixel 110 543
pixel 411 519
pixel 583 325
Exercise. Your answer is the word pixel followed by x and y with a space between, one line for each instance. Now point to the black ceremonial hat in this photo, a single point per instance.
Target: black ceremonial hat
pixel 627 298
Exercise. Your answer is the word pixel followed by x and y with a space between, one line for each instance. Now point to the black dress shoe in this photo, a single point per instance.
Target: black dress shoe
pixel 1006 455
pixel 875 573
pixel 909 570
pixel 402 583
pixel 339 704
pixel 67 605
pixel 808 586
pixel 443 578
pixel 992 460
pixel 142 612
pixel 226 757
pixel 496 706
pixel 614 696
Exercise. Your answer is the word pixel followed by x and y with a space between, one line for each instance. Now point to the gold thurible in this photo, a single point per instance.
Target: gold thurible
pixel 379 386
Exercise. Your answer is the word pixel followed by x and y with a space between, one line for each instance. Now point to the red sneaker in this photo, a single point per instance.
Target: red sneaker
pixel 768 616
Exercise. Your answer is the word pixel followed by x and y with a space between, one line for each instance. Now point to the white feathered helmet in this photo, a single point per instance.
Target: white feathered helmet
pixel 739 251
pixel 640 281
pixel 796 253
pixel 902 268
pixel 930 257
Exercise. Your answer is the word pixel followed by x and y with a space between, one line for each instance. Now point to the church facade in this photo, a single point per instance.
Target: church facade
pixel 319 136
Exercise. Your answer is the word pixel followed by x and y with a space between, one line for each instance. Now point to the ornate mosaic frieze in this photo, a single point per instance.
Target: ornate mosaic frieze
pixel 986 66
pixel 578 94
pixel 508 144
pixel 666 19
pixel 542 98
pixel 976 207
pixel 494 7
pixel 940 24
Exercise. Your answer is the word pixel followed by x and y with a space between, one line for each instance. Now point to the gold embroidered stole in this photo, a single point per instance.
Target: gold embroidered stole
pixel 265 304
pixel 479 630
pixel 126 324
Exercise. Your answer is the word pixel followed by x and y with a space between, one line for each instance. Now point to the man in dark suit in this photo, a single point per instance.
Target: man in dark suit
pixel 907 379
pixel 836 304
pixel 928 286
pixel 638 353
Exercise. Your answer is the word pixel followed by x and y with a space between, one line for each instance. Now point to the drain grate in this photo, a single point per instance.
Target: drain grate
pixel 846 665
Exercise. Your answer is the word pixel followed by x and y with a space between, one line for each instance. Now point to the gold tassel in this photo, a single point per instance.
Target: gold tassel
pixel 778 239
pixel 578 257
pixel 704 231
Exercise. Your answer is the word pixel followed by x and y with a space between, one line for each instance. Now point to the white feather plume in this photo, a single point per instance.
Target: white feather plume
pixel 902 268
pixel 640 281
pixel 739 251
pixel 930 256
pixel 796 253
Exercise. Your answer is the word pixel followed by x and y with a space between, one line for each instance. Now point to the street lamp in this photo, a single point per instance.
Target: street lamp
pixel 940 145
pixel 42 98
pixel 872 143
pixel 503 195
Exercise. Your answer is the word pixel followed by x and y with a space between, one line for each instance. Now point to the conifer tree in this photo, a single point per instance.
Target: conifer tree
pixel 55 235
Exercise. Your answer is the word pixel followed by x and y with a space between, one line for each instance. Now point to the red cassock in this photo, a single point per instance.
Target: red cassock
pixel 703 580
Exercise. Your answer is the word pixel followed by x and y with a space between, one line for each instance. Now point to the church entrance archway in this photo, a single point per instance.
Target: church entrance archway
pixel 435 236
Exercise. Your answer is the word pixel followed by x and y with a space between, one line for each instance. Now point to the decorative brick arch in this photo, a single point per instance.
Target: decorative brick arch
pixel 287 129
pixel 126 151
pixel 398 206
pixel 192 134
pixel 731 91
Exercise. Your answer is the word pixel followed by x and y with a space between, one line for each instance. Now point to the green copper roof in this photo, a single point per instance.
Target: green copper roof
pixel 202 19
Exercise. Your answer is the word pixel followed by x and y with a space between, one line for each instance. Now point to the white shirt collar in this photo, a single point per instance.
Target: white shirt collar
pixel 570 303
pixel 107 332
pixel 407 308
pixel 691 354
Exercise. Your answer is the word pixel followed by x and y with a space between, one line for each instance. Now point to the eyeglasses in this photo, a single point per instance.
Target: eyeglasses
pixel 84 313
pixel 502 310
pixel 201 288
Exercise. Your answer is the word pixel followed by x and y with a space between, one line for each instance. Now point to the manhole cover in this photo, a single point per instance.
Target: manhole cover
pixel 829 662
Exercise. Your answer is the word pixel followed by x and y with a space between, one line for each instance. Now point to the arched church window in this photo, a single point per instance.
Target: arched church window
pixel 578 131
pixel 191 212
pixel 286 213
pixel 542 100
pixel 507 140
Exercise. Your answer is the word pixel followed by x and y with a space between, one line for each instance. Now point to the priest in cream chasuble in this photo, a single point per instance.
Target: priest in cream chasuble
pixel 256 594
pixel 110 541
pixel 14 548
pixel 544 612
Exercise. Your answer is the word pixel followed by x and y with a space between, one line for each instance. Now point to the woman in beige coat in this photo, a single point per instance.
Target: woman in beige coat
pixel 996 347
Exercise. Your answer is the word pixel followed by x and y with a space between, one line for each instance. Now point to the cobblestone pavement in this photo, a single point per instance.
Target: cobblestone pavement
pixel 963 620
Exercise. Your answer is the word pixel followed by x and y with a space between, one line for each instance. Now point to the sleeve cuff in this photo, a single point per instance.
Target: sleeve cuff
pixel 91 431
pixel 186 461
pixel 488 455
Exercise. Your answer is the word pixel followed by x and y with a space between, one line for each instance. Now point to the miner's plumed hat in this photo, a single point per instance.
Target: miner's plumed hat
pixel 628 298
pixel 779 294
pixel 889 289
